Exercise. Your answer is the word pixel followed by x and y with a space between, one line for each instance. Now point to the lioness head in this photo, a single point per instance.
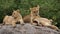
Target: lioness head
pixel 35 10
pixel 16 13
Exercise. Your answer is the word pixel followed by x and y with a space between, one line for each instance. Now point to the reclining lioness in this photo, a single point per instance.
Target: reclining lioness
pixel 9 20
pixel 16 17
pixel 34 12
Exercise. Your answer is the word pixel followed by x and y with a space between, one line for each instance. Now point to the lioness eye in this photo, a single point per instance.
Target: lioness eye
pixel 14 13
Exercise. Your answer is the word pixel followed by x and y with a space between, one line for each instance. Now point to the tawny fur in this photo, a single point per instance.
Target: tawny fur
pixel 9 20
pixel 34 12
pixel 45 22
pixel 17 16
pixel 27 18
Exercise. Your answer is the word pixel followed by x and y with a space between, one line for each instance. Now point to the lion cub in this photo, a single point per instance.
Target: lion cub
pixel 17 16
pixel 9 20
pixel 34 12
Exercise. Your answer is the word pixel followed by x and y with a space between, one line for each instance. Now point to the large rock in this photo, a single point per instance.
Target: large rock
pixel 26 29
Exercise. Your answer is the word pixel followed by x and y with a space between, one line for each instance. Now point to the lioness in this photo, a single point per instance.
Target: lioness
pixel 17 16
pixel 9 20
pixel 34 12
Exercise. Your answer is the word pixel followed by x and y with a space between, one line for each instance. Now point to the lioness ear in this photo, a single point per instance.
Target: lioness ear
pixel 51 20
pixel 30 8
pixel 38 6
pixel 18 10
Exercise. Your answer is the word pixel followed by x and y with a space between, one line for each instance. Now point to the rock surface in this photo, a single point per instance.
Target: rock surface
pixel 26 29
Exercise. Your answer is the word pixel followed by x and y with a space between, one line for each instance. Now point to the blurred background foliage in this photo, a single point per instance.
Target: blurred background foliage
pixel 48 8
